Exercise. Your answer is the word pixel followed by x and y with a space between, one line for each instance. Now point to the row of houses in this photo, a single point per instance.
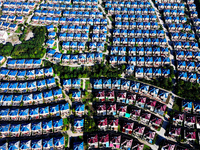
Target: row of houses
pixel 141 51
pixel 190 106
pixel 141 88
pixel 24 63
pixel 136 18
pixel 46 96
pixel 16 11
pixel 8 26
pixel 59 13
pixel 46 143
pixel 132 11
pixel 138 32
pixel 175 36
pixel 173 12
pixel 8 74
pixel 140 61
pixel 9 4
pixel 41 112
pixel 76 21
pixel 23 87
pixel 58 1
pixel 145 41
pixel 187 55
pixel 174 6
pixel 169 19
pixel 189 46
pixel 146 72
pixel 75 59
pixel 76 7
pixel 189 76
pixel 128 4
pixel 179 27
pixel 131 99
pixel 32 128
pixel 113 140
pixel 188 65
pixel 133 25
pixel 186 120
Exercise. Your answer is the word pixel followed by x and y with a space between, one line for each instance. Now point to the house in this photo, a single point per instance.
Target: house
pixel 92 140
pixel 76 95
pixel 57 93
pixel 139 72
pixel 111 109
pixel 163 95
pixel 14 130
pixel 160 108
pixel 196 108
pixel 150 104
pixel 48 72
pixel 23 114
pixel 47 143
pixel 78 125
pixel 189 121
pixel 149 135
pixel 25 129
pixel 76 83
pixel 106 83
pixel 115 141
pixel 197 122
pixel 121 96
pixel 4 113
pixel 110 96
pixel 25 144
pixel 100 95
pixel 145 117
pixel 14 145
pixel 138 130
pixel 36 128
pixel 187 106
pixel 4 130
pixel 54 110
pixel 140 102
pixel 34 113
pixel 174 132
pixel 121 110
pixel 128 127
pixel 178 118
pixel 113 124
pixel 130 99
pixel 144 89
pixel 97 83
pixel 104 141
pixel 44 111
pixel 102 124
pixel 6 100
pixel 59 142
pixel 155 121
pixel 36 144
pixel 101 109
pixel 189 135
pixel 116 83
pixel 27 99
pixel 41 85
pixel 168 145
pixel 47 127
pixel 79 109
pixel 14 114
pixel 125 84
pixel 78 146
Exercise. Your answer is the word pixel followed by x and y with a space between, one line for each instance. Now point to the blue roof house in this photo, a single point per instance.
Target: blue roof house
pixel 28 63
pixel 50 43
pixel 11 63
pixel 4 146
pixel 192 77
pixel 51 82
pixel 187 106
pixel 148 72
pixel 165 72
pixel 15 130
pixel 47 126
pixel 113 59
pixel 157 72
pixel 97 83
pixel 4 130
pixel 27 99
pixel 57 94
pixel 47 143
pixel 44 111
pixel 25 144
pixel 139 72
pixel 64 109
pixel 12 75
pixel 4 86
pixel 182 75
pixel 4 113
pixel 36 129
pixel 67 83
pixel 12 86
pixel 125 84
pixel 144 88
pixel 31 87
pixel 17 99
pixel 54 110
pixel 48 96
pixel 37 98
pixel 129 69
pixel 181 65
pixel 76 95
pixel 153 91
pixel 4 72
pixel 140 61
pixel 78 125
pixel 39 73
pixel 48 72
pixel 25 129
pixel 36 144
pixel 148 61
pixel 41 84
pixel 6 100
pixel 57 125
pixel 163 95
pixel 34 113
pixel 76 83
pixel 14 145
pixel 23 114
pixel 59 142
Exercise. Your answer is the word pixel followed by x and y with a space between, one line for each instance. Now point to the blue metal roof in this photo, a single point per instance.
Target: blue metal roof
pixel 14 127
pixel 47 143
pixel 4 85
pixel 4 112
pixel 23 112
pixel 4 71
pixel 34 111
pixel 37 96
pixel 14 145
pixel 27 97
pixel 12 73
pixel 25 127
pixel 47 94
pixel 44 110
pixel 78 122
pixel 59 141
pixel 58 123
pixel 64 106
pixel 4 128
pixel 41 82
pixel 47 124
pixel 78 146
pixel 54 108
pixel 36 126
pixel 57 91
pixel 7 98
pixel 26 144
